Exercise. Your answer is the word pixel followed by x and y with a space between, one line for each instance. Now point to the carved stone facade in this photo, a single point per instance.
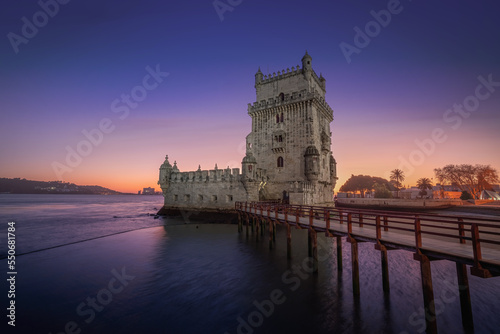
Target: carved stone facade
pixel 288 153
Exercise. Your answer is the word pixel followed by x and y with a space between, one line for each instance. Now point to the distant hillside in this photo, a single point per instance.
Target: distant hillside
pixel 23 186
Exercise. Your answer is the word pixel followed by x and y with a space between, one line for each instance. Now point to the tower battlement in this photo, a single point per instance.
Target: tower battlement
pixel 289 98
pixel 287 82
pixel 280 75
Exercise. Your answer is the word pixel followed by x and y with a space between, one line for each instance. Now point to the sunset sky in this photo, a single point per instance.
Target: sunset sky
pixel 397 103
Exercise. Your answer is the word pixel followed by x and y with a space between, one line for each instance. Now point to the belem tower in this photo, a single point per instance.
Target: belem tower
pixel 288 152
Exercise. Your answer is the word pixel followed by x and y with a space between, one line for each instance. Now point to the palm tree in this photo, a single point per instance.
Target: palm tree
pixel 397 176
pixel 423 184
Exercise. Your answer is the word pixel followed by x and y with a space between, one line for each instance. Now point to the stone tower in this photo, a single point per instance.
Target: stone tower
pixel 288 155
pixel 290 142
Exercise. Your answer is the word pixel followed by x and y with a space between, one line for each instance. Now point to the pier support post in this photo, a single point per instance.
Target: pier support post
pixel 339 253
pixel 385 269
pixel 262 227
pixel 312 239
pixel 270 234
pixel 383 256
pixel 355 267
pixel 288 241
pixel 248 222
pixel 240 223
pixel 426 278
pixel 427 290
pixel 274 232
pixel 257 227
pixel 253 224
pixel 463 289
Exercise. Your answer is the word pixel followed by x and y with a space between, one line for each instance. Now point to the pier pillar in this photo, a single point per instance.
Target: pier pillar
pixel 274 232
pixel 253 224
pixel 355 267
pixel 240 223
pixel 427 290
pixel 270 234
pixel 262 227
pixel 385 269
pixel 248 222
pixel 288 241
pixel 312 239
pixel 257 227
pixel 465 305
pixel 339 253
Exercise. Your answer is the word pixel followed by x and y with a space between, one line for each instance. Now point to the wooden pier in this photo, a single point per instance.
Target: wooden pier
pixel 463 240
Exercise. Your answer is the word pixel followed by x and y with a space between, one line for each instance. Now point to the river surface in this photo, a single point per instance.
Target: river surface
pixel 80 274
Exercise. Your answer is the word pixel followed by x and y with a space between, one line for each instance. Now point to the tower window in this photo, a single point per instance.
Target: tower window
pixel 279 118
pixel 282 97
pixel 280 138
pixel 280 161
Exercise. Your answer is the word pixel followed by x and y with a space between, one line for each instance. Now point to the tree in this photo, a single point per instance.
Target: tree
pixel 472 179
pixel 363 183
pixel 465 196
pixel 423 184
pixel 397 176
pixel 381 191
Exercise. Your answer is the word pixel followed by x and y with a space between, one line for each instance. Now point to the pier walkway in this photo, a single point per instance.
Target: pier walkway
pixel 465 240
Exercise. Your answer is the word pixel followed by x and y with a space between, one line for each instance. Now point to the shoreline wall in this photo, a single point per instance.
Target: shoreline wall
pixel 399 203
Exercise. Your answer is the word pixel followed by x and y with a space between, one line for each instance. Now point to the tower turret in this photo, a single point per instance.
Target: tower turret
pixel 333 170
pixel 311 158
pixel 248 165
pixel 165 171
pixel 306 62
pixel 258 77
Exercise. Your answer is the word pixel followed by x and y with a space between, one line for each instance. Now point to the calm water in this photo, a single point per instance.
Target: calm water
pixel 171 277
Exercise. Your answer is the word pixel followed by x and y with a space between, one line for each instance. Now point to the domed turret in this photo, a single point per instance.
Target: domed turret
pixel 311 157
pixel 165 171
pixel 258 77
pixel 175 169
pixel 306 62
pixel 333 170
pixel 248 165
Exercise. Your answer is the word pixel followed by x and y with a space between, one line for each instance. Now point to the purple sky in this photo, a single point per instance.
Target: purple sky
pixel 393 94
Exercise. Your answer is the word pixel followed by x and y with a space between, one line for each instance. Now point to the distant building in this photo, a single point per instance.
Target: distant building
pixel 148 191
pixel 443 191
pixel 409 193
pixel 489 195
pixel 288 152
